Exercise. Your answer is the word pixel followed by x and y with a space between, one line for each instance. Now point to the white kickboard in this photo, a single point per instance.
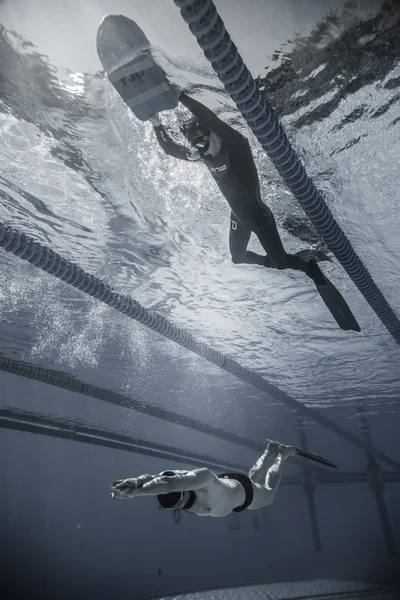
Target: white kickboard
pixel 124 52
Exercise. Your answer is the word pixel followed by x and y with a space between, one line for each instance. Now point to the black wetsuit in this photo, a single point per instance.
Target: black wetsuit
pixel 235 173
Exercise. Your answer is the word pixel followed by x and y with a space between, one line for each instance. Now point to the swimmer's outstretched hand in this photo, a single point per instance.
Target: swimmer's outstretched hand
pixel 124 489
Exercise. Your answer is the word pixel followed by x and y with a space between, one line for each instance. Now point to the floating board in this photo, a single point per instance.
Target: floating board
pixel 125 53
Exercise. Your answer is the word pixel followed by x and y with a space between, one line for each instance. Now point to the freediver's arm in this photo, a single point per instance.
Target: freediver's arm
pixel 169 146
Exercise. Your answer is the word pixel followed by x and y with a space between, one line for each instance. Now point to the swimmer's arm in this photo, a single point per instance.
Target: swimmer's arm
pixel 169 146
pixel 191 480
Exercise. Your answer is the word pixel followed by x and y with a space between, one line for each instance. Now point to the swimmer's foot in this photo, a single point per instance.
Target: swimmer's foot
pixel 287 451
pixel 272 448
pixel 316 255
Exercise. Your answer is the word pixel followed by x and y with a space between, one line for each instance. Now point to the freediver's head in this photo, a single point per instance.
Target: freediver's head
pixel 197 134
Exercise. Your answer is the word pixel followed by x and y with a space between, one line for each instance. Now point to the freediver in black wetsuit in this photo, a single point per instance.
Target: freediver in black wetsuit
pixel 227 155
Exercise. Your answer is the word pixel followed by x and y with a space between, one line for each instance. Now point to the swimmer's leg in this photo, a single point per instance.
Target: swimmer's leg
pixel 239 237
pixel 258 472
pixel 266 483
pixel 274 473
pixel 277 257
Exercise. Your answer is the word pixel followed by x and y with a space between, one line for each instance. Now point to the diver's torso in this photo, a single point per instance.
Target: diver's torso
pixel 233 492
pixel 236 175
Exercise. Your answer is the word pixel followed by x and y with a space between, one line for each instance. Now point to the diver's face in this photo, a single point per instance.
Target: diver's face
pixel 199 138
pixel 202 143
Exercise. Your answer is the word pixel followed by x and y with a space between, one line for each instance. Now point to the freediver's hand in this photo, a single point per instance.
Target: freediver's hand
pixel 155 121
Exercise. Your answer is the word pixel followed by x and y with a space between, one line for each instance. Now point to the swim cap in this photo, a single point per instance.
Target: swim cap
pixel 175 500
pixel 169 501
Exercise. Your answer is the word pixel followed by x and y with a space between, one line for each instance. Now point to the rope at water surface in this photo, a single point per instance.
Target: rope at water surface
pixel 208 28
pixel 45 258
pixel 69 382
